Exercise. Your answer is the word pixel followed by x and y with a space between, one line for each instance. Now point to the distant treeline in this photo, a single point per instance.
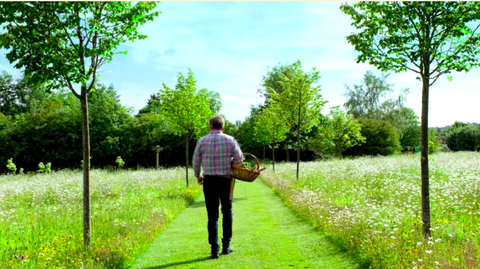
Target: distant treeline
pixel 36 126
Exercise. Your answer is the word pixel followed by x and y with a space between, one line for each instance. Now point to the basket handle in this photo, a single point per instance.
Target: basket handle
pixel 254 158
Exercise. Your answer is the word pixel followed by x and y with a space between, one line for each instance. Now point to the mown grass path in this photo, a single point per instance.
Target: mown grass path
pixel 266 234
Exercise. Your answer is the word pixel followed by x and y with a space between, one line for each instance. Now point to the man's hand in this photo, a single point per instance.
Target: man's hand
pixel 200 180
pixel 237 165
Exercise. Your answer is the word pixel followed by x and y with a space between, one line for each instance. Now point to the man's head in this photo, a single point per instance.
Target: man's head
pixel 216 123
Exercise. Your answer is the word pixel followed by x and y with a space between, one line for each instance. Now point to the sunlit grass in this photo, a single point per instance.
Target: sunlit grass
pixel 41 216
pixel 372 207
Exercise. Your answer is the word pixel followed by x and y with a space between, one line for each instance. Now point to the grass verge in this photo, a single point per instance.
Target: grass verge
pixel 372 207
pixel 41 216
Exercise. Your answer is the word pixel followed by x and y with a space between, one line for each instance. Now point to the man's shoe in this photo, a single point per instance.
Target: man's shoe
pixel 227 250
pixel 214 255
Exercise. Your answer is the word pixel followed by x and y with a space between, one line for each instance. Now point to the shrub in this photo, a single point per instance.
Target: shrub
pixel 44 168
pixel 410 138
pixel 11 166
pixel 120 162
pixel 463 136
pixel 381 138
pixel 434 142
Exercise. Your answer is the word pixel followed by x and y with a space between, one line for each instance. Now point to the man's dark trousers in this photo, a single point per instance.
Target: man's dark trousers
pixel 216 190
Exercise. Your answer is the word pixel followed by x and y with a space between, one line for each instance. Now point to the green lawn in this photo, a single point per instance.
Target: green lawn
pixel 266 234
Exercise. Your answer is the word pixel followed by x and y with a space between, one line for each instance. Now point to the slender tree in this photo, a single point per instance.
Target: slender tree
pixel 300 100
pixel 430 39
pixel 271 127
pixel 62 44
pixel 187 110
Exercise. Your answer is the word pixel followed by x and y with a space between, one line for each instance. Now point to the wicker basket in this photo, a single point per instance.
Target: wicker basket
pixel 240 172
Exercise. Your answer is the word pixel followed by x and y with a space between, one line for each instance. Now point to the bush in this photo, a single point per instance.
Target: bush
pixel 462 136
pixel 410 138
pixel 120 162
pixel 11 166
pixel 381 138
pixel 434 142
pixel 44 168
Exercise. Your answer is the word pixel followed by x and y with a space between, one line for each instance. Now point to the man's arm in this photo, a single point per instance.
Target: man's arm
pixel 197 159
pixel 237 153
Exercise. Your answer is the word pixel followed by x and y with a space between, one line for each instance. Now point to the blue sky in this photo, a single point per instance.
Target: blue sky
pixel 229 45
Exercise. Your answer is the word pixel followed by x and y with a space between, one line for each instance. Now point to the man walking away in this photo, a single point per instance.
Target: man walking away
pixel 214 153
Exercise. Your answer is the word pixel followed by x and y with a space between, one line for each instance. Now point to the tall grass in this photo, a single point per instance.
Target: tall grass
pixel 41 216
pixel 372 207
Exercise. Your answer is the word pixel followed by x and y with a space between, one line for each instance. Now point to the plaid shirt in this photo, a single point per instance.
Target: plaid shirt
pixel 214 152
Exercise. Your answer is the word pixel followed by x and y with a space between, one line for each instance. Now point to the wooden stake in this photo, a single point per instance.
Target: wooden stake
pixel 232 184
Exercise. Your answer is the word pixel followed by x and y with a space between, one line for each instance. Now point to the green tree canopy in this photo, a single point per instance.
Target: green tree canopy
pixel 300 101
pixel 371 100
pixel 271 127
pixel 380 139
pixel 187 110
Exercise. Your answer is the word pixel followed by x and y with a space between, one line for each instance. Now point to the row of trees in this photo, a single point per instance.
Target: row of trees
pixel 49 128
pixel 372 122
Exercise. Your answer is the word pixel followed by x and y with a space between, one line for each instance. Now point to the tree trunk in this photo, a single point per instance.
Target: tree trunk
pixel 298 131
pixel 186 158
pixel 424 156
pixel 263 153
pixel 298 155
pixel 86 169
pixel 273 158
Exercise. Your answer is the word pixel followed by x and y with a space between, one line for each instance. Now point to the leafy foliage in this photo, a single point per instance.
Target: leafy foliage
pixel 246 133
pixel 380 138
pixel 271 127
pixel 299 99
pixel 11 166
pixel 347 131
pixel 45 169
pixel 19 96
pixel 463 136
pixel 53 41
pixel 107 119
pixel 335 133
pixel 119 161
pixel 187 110
pixel 434 143
pixel 370 100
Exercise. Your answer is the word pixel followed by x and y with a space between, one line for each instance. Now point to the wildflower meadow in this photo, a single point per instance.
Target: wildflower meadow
pixel 371 206
pixel 41 216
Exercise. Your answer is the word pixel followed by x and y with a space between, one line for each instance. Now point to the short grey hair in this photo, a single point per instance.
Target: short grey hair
pixel 216 123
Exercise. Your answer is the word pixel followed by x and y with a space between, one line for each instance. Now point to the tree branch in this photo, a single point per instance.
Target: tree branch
pixel 70 86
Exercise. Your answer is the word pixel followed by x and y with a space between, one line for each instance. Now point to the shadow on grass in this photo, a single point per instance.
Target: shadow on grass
pixel 197 204
pixel 202 203
pixel 173 264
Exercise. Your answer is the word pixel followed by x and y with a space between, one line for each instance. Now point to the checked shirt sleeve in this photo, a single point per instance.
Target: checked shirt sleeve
pixel 237 153
pixel 197 158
